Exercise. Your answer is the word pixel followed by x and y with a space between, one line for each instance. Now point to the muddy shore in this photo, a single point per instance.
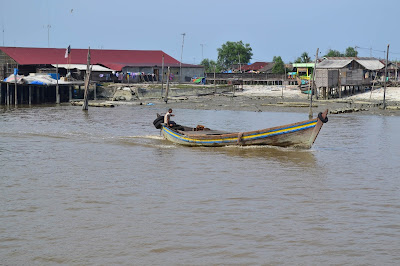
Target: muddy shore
pixel 269 99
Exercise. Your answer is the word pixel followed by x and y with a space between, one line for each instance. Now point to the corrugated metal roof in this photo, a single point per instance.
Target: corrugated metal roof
pixel 371 64
pixel 255 66
pixel 334 64
pixel 349 57
pixel 113 59
pixel 83 67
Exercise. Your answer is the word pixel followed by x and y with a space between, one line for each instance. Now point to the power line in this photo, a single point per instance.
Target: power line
pixel 375 50
pixel 370 49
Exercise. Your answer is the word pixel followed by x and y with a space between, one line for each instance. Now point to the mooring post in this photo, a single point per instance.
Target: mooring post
pixel 167 89
pixel 310 113
pixel 70 93
pixel 384 88
pixel 85 105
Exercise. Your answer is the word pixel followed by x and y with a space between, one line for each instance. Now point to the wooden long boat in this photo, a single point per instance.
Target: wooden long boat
pixel 299 135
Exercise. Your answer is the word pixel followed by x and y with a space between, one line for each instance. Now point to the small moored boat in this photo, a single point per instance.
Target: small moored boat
pixel 298 135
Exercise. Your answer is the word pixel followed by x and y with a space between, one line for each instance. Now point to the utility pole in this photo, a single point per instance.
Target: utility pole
pixel 180 64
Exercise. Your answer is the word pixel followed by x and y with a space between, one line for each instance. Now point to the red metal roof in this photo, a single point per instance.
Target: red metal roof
pixel 255 66
pixel 114 59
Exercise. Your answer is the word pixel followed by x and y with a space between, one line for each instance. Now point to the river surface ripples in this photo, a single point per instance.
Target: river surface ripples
pixel 103 188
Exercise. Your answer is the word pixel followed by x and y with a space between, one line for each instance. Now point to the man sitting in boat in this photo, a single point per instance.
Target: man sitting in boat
pixel 167 118
pixel 171 124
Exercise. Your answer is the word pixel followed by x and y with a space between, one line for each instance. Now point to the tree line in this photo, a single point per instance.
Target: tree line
pixel 235 53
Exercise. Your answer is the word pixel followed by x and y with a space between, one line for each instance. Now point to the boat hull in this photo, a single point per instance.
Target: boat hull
pixel 300 135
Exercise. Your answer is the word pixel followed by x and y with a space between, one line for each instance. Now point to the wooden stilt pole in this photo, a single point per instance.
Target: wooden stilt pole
pixel 310 113
pixel 37 95
pixel 87 81
pixel 30 95
pixel 69 93
pixel 57 87
pixel 215 86
pixel 8 94
pixel 339 84
pixel 15 89
pixel 384 89
pixel 283 82
pixel 167 89
pixel 162 76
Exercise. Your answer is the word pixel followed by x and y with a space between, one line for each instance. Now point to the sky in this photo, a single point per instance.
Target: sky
pixel 285 28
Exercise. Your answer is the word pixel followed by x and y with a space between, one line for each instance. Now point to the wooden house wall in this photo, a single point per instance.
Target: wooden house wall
pixel 7 65
pixel 354 77
pixel 328 78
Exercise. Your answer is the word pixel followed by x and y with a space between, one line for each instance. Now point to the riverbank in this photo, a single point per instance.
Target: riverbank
pixel 275 98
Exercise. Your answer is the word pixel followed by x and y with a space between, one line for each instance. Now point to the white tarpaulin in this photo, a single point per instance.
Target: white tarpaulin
pixel 35 79
pixel 83 67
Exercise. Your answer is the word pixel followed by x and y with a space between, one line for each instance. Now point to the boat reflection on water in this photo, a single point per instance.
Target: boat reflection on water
pixel 299 157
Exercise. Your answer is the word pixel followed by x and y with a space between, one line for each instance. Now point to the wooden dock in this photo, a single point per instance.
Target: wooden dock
pixel 32 94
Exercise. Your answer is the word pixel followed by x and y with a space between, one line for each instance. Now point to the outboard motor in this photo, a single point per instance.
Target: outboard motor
pixel 158 121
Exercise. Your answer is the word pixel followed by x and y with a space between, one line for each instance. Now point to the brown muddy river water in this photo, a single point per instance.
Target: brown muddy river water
pixel 103 188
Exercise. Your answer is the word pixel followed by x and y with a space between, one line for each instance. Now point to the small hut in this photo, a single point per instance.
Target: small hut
pixel 338 75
